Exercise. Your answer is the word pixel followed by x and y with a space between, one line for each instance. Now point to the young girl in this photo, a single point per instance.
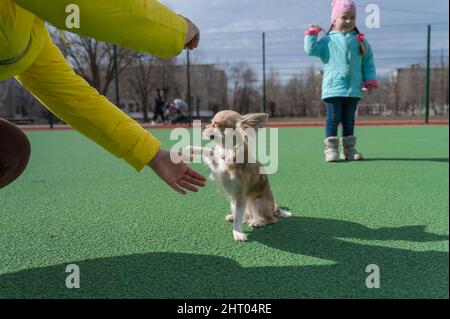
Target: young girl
pixel 348 66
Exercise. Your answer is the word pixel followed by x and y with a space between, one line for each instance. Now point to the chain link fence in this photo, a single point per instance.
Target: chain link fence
pixel 253 72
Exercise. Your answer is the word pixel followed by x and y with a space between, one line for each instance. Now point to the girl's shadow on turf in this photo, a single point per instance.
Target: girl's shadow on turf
pixel 347 245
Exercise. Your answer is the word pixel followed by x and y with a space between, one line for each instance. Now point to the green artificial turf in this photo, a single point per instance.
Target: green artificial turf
pixel 133 237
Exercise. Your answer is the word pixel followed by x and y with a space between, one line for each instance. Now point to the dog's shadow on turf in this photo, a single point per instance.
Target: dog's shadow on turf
pixel 339 273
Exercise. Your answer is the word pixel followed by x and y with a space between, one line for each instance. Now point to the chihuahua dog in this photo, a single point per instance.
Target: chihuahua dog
pixel 244 181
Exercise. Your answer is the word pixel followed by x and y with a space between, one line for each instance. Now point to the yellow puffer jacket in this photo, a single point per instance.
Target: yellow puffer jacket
pixel 27 52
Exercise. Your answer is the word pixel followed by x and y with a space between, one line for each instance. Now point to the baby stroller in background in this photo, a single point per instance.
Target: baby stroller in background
pixel 177 112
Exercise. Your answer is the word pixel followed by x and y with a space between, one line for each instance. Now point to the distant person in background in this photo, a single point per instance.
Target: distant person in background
pixel 177 112
pixel 348 69
pixel 160 103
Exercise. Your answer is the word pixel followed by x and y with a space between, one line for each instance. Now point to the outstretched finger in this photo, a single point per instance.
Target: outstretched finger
pixel 187 186
pixel 176 188
pixel 193 180
pixel 194 174
pixel 194 42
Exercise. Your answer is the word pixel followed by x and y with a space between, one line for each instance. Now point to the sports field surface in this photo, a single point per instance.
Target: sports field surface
pixel 133 237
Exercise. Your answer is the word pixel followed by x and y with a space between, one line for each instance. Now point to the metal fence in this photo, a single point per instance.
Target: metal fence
pixel 276 76
pixel 253 71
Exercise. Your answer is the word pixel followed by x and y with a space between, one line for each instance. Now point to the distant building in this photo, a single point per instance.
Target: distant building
pixel 410 88
pixel 209 88
pixel 208 94
pixel 18 105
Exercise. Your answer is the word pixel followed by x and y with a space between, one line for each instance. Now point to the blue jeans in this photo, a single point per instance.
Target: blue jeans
pixel 341 110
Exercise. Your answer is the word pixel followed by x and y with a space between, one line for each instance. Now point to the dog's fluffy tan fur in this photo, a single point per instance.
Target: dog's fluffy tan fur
pixel 251 197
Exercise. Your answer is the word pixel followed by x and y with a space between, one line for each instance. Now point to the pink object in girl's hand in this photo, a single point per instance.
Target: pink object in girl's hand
pixel 371 84
pixel 313 30
pixel 361 37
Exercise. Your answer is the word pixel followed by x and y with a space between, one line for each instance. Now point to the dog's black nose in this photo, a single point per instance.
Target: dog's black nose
pixel 211 137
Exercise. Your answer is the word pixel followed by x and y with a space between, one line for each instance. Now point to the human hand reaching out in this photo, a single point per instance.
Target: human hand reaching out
pixel 192 36
pixel 177 175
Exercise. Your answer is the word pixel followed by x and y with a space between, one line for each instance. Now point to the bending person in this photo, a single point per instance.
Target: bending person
pixel 28 54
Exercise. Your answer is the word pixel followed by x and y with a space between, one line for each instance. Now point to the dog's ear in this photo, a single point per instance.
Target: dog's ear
pixel 254 120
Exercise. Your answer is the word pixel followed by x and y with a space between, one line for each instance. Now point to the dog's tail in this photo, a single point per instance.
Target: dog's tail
pixel 282 212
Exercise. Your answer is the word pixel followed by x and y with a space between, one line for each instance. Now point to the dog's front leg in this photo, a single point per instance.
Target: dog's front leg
pixel 230 217
pixel 238 234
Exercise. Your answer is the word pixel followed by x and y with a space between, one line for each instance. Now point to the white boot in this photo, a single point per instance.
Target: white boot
pixel 349 152
pixel 331 149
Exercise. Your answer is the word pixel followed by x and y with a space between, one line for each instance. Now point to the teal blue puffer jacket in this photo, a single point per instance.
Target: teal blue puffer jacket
pixel 345 69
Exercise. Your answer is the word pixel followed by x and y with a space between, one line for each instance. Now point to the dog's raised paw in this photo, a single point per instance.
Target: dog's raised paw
pixel 239 236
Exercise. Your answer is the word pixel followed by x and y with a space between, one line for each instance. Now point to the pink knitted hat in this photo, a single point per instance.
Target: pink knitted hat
pixel 340 7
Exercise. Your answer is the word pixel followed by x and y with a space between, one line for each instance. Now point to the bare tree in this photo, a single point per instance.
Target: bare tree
pixel 274 92
pixel 236 77
pixel 439 92
pixel 147 73
pixel 142 82
pixel 166 78
pixel 4 90
pixel 293 97
pixel 4 94
pixel 93 60
pixel 245 96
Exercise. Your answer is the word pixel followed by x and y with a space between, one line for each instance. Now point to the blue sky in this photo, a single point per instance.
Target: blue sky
pixel 231 30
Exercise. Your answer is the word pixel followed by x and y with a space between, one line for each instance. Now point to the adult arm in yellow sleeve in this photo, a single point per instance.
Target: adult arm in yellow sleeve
pixel 51 80
pixel 141 25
